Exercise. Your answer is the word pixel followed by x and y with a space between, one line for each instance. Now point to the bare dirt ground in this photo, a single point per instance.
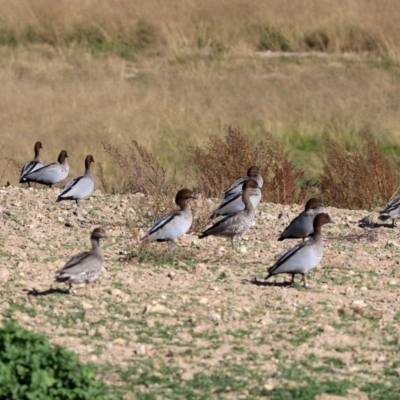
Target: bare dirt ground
pixel 191 323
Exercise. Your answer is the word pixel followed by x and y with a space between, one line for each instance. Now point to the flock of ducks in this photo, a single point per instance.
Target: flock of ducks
pixel 236 214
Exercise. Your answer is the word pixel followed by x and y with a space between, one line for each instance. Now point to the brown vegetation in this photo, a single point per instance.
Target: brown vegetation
pixel 359 178
pixel 223 160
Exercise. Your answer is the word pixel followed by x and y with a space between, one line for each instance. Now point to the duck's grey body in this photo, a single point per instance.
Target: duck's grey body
pixel 234 225
pixel 32 165
pixel 84 267
pixel 234 203
pixel 80 187
pixel 302 225
pixel 174 224
pixel 52 173
pixel 237 186
pixel 303 257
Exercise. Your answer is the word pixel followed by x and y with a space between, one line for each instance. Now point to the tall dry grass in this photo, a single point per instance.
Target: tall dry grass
pixel 175 26
pixel 192 70
pixel 73 102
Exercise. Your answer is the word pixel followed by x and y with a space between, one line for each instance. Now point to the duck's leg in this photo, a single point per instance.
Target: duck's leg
pixel 233 242
pixel 304 282
pixel 78 207
pixel 70 288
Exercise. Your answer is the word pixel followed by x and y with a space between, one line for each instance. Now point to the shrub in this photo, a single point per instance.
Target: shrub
pixel 31 368
pixel 357 179
pixel 143 173
pixel 273 40
pixel 225 159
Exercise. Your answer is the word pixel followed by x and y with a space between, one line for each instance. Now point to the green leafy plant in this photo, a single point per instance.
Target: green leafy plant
pixel 31 368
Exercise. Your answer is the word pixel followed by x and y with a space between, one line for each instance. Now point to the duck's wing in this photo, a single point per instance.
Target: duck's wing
pixel 77 188
pixel 285 258
pixel 161 222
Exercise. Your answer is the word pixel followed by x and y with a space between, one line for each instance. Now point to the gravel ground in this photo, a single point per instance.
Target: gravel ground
pixel 192 322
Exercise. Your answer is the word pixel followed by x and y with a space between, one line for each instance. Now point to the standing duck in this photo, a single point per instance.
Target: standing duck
pixel 237 186
pixel 32 165
pixel 51 173
pixel 234 225
pixel 302 225
pixel 234 203
pixel 174 224
pixel 79 187
pixel 84 267
pixel 392 210
pixel 303 257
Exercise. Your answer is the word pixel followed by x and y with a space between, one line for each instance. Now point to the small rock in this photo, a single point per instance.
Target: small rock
pixel 349 291
pixel 171 275
pixel 203 300
pixel 242 249
pixel 86 305
pixel 4 275
pixel 101 330
pixel 393 282
pixel 140 349
pixel 215 317
pixel 157 308
pixel 187 376
pixel 358 303
pixel 199 269
pixel 328 329
pixel 268 386
pixel 364 289
pixel 324 287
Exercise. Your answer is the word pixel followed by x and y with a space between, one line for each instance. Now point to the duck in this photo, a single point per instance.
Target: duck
pixel 302 225
pixel 171 226
pixel 236 224
pixel 32 165
pixel 80 187
pixel 84 267
pixel 305 256
pixel 392 210
pixel 51 173
pixel 234 203
pixel 237 186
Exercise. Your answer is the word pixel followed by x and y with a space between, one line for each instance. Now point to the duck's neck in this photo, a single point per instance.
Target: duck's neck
pixel 246 200
pixel 87 168
pixel 95 243
pixel 183 204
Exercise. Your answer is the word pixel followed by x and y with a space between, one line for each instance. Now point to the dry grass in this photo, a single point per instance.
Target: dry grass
pixel 360 178
pixel 198 74
pixel 211 26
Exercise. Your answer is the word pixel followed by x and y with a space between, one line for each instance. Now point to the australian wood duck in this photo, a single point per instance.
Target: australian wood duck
pixel 392 210
pixel 174 224
pixel 302 225
pixel 51 173
pixel 80 187
pixel 84 267
pixel 32 165
pixel 237 186
pixel 234 203
pixel 234 225
pixel 305 256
